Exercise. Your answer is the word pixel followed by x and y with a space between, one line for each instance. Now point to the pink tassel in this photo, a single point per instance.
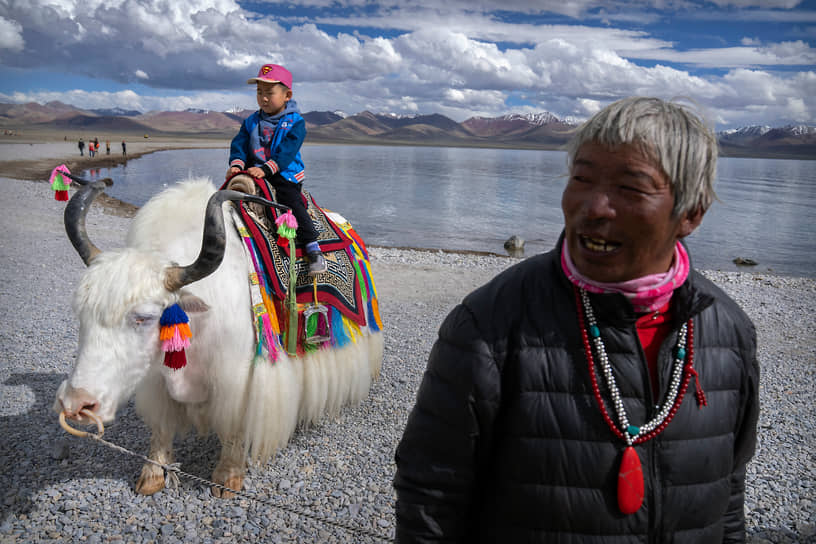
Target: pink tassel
pixel 177 343
pixel 288 219
pixel 57 170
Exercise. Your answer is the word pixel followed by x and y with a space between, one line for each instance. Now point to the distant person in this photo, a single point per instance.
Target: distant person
pixel 107 147
pixel 563 401
pixel 81 145
pixel 268 145
pixel 91 148
pixel 124 149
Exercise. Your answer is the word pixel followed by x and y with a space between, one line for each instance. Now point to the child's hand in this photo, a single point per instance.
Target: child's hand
pixel 231 172
pixel 255 172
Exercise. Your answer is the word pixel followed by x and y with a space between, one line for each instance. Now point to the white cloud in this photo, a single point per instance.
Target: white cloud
pixel 798 53
pixel 133 101
pixel 11 35
pixel 758 3
pixel 458 58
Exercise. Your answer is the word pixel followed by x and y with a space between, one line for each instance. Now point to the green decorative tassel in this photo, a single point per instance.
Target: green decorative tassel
pixel 291 333
pixel 287 228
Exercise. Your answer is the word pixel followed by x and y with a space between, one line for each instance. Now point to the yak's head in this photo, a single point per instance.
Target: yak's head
pixel 119 303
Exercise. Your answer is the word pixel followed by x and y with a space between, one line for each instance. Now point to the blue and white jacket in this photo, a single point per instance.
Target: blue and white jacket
pixel 280 153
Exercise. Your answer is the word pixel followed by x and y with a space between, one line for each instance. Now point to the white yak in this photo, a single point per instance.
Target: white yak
pixel 253 406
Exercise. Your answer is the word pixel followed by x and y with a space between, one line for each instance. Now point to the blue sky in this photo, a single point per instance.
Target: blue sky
pixel 743 62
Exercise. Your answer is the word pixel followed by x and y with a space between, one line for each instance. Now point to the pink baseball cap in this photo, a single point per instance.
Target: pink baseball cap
pixel 272 73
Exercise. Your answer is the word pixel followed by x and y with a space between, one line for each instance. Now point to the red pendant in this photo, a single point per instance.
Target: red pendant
pixel 630 482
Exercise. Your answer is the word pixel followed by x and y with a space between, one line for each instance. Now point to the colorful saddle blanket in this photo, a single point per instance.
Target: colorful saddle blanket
pixel 347 285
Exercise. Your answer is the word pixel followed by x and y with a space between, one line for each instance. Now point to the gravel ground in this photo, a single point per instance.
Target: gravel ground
pixel 58 488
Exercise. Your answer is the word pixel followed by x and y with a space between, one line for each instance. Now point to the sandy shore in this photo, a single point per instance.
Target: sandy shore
pixel 58 488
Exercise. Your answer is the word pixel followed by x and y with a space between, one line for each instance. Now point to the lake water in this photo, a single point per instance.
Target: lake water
pixel 474 199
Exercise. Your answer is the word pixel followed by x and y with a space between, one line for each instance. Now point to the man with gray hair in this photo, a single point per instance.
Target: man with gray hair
pixel 604 391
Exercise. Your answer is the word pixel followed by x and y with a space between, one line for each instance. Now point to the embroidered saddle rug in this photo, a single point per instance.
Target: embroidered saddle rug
pixel 346 285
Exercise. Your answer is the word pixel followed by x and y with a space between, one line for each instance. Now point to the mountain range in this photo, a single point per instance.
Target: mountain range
pixel 529 131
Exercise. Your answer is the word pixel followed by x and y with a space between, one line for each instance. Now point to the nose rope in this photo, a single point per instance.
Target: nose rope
pixel 173 470
pixel 82 434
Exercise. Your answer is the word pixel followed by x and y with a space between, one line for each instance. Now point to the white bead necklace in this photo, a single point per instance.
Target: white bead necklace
pixel 631 433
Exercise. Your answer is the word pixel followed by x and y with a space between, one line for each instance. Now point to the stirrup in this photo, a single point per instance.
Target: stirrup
pixel 317 327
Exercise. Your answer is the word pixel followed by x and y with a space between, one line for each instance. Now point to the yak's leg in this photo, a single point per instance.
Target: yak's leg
pixel 231 468
pixel 152 477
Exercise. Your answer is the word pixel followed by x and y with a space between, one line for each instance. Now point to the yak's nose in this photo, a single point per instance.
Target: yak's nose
pixel 73 401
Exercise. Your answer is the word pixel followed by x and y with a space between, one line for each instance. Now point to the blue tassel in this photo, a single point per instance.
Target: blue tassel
pixel 173 315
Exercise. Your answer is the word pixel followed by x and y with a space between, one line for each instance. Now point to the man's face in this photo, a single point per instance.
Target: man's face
pixel 618 214
pixel 272 97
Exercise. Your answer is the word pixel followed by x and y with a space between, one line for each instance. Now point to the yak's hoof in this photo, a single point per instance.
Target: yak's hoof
pixel 233 482
pixel 150 481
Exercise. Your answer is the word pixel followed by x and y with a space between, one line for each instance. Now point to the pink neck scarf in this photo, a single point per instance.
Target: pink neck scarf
pixel 646 294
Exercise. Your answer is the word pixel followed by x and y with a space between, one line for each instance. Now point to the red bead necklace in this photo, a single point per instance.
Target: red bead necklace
pixel 630 474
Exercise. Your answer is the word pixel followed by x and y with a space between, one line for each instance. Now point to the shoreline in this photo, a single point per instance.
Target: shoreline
pixel 39 169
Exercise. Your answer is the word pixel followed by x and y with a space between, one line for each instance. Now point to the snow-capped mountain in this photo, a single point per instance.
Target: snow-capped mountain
pixel 512 124
pixel 742 133
pixel 116 112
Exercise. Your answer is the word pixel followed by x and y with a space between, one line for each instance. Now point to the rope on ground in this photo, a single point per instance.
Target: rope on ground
pixel 173 470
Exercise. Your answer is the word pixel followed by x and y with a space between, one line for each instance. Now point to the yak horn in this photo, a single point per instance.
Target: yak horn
pixel 213 243
pixel 74 220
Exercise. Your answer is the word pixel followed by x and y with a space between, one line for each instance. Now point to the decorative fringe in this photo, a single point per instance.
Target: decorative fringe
pixel 59 184
pixel 374 320
pixel 269 337
pixel 267 326
pixel 373 315
pixel 175 336
pixel 339 337
pixel 287 228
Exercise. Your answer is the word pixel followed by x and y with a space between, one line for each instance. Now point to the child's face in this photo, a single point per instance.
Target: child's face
pixel 272 97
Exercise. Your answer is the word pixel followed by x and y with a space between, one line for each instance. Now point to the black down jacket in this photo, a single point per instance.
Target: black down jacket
pixel 506 442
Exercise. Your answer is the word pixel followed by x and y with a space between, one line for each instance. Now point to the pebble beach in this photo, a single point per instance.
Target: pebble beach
pixel 332 483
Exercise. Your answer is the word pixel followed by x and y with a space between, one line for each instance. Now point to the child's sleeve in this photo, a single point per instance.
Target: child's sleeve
pixel 287 149
pixel 238 147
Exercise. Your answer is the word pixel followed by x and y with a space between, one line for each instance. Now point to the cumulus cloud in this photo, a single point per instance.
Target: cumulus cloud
pixel 458 58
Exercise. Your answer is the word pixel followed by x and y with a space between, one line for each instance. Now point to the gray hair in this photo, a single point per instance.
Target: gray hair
pixel 668 133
